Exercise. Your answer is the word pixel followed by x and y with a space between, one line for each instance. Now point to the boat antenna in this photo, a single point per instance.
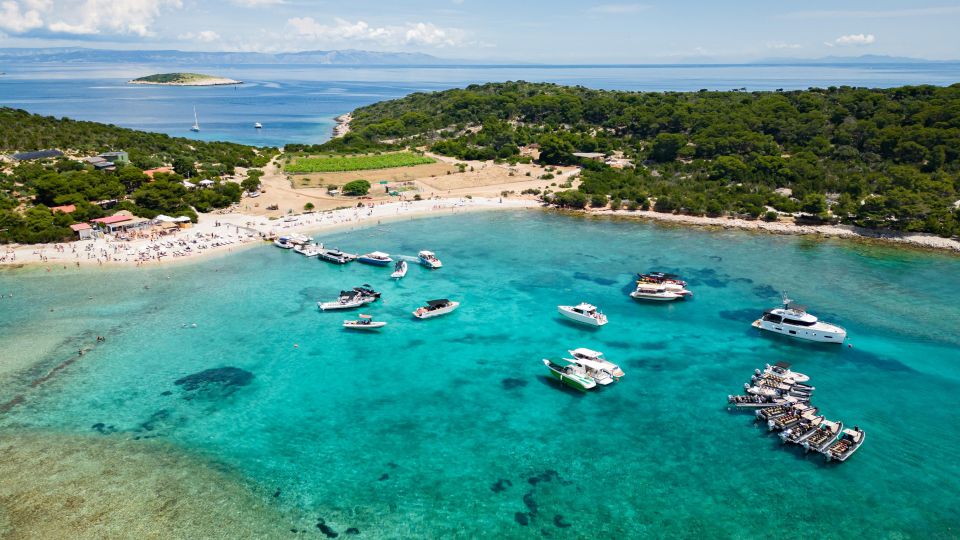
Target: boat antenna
pixel 786 299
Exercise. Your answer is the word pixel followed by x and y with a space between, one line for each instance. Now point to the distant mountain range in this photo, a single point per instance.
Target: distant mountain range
pixel 863 59
pixel 99 56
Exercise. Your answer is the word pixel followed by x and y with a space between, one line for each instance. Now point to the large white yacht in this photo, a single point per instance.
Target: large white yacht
pixel 583 313
pixel 794 321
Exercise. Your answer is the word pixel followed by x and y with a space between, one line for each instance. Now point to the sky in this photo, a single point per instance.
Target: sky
pixel 557 31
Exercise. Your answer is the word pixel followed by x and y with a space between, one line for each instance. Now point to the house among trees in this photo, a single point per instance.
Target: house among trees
pixel 120 222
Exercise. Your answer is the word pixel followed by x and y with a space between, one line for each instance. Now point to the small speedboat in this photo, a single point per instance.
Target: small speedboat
pixel 308 250
pixel 795 416
pixel 365 322
pixel 799 432
pixel 435 308
pixel 662 278
pixel 257 125
pixel 284 242
pixel 571 375
pixel 399 270
pixel 823 437
pixel 429 259
pixel 597 356
pixel 347 300
pixel 595 370
pixel 794 321
pixel 375 258
pixel 336 256
pixel 583 313
pixel 367 291
pixel 846 445
pixel 782 370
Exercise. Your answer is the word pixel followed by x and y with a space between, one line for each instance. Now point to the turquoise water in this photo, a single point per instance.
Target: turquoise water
pixel 407 433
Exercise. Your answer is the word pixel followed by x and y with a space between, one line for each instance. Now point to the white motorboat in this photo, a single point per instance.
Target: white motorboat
pixel 375 258
pixel 365 322
pixel 284 242
pixel 823 437
pixel 347 300
pixel 597 356
pixel 583 313
pixel 435 308
pixel 792 418
pixel 429 259
pixel 659 293
pixel 571 375
pixel 308 250
pixel 595 370
pixel 257 125
pixel 399 270
pixel 782 370
pixel 799 432
pixel 846 445
pixel 794 321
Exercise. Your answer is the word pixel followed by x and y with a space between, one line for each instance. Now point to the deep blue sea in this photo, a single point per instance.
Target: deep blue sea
pixel 298 103
pixel 450 427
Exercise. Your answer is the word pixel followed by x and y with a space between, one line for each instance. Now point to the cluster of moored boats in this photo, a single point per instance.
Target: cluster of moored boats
pixel 584 370
pixel 780 397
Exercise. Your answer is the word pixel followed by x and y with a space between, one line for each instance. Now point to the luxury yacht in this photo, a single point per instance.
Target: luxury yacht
pixel 399 270
pixel 794 321
pixel 375 258
pixel 583 313
pixel 597 356
pixel 429 259
pixel 435 308
pixel 365 322
pixel 848 443
pixel 336 256
pixel 571 375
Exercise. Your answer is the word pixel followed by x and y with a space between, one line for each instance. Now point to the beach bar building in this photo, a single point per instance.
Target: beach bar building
pixel 84 230
pixel 122 221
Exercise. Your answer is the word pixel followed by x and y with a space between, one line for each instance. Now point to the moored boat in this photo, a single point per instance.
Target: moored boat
pixel 283 242
pixel 308 250
pixel 348 300
pixel 435 308
pixel 846 445
pixel 794 321
pixel 429 259
pixel 583 313
pixel 336 256
pixel 597 356
pixel 399 270
pixel 375 258
pixel 658 293
pixel 595 370
pixel 793 417
pixel 797 433
pixel 364 322
pixel 823 437
pixel 782 370
pixel 570 375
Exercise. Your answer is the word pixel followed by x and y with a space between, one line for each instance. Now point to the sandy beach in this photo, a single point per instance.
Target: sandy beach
pixel 343 125
pixel 224 233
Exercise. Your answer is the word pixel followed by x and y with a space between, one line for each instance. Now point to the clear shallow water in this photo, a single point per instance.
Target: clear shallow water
pixel 297 104
pixel 406 432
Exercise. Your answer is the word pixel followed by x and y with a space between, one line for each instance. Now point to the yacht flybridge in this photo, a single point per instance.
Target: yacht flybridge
pixel 794 321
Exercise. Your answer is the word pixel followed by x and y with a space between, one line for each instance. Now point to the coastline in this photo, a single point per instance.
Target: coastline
pixel 343 125
pixel 213 81
pixel 915 240
pixel 219 234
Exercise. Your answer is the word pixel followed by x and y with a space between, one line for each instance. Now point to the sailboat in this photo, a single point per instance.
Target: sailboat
pixel 196 121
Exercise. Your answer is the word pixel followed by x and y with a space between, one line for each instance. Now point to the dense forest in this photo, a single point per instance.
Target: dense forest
pixel 880 158
pixel 29 188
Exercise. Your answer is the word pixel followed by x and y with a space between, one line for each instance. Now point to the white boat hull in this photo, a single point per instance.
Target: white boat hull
pixel 397 274
pixel 656 297
pixel 821 333
pixel 353 325
pixel 333 306
pixel 436 312
pixel 581 318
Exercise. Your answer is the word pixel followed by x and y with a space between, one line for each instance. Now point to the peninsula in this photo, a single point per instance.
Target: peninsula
pixel 184 79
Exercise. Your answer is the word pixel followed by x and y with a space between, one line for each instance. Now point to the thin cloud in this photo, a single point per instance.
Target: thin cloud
pixel 409 34
pixel 86 17
pixel 258 3
pixel 206 36
pixel 784 46
pixel 618 9
pixel 874 14
pixel 855 40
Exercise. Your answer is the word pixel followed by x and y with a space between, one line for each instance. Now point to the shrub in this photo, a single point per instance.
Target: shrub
pixel 308 207
pixel 356 188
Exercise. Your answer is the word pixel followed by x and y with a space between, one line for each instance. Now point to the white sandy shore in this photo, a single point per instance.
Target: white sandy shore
pixel 223 233
pixel 923 240
pixel 343 125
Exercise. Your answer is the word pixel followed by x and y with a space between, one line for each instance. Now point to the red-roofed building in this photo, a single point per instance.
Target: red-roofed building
pixel 151 172
pixel 121 221
pixel 112 220
pixel 84 230
pixel 66 209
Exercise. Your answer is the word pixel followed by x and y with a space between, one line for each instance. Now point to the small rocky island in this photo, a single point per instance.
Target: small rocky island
pixel 184 79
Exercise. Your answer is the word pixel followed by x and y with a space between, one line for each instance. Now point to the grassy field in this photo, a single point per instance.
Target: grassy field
pixel 314 164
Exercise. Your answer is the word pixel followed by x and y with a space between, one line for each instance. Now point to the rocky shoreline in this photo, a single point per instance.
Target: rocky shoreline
pixel 343 125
